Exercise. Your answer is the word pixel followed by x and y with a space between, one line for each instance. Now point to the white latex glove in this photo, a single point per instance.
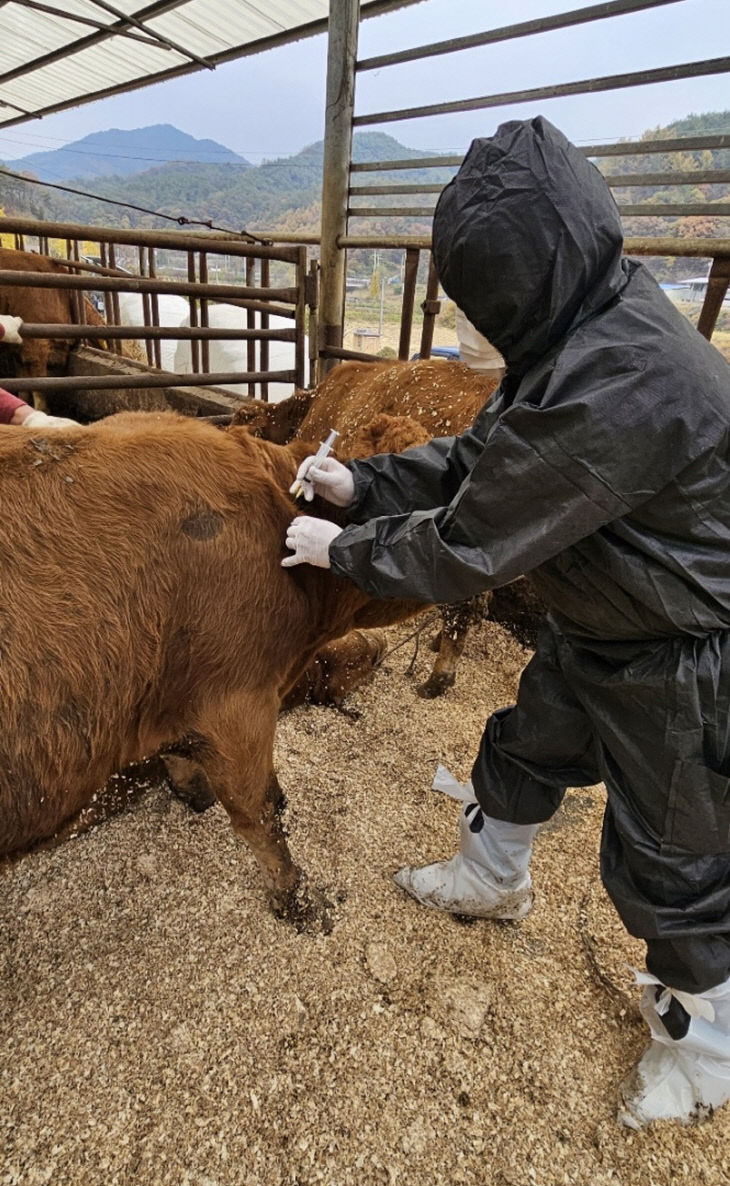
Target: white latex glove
pixel 41 420
pixel 310 541
pixel 329 478
pixel 10 327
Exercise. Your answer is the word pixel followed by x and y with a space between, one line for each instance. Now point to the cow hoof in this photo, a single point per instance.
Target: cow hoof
pixel 200 800
pixel 306 908
pixel 435 685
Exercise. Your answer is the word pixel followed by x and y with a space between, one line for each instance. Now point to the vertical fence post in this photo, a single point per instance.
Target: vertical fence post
pixel 204 345
pixel 717 285
pixel 264 343
pixel 312 283
pixel 194 345
pixel 251 324
pixel 431 308
pixel 301 312
pixel 154 306
pixel 344 20
pixel 146 307
pixel 409 295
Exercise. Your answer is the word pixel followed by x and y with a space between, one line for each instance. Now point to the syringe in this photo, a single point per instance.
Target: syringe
pixel 323 450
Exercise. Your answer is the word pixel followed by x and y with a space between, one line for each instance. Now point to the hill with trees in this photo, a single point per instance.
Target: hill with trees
pixel 280 194
pixel 284 194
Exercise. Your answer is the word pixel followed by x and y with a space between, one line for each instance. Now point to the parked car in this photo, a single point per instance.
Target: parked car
pixel 449 352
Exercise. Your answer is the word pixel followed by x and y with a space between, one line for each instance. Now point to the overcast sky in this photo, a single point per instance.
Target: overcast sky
pixel 272 105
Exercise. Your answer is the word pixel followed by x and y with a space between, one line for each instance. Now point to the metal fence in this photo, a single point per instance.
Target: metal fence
pixel 153 264
pixel 347 197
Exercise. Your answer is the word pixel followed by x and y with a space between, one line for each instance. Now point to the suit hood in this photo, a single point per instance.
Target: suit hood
pixel 527 239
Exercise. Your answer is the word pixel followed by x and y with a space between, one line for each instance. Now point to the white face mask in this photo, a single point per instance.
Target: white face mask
pixel 476 352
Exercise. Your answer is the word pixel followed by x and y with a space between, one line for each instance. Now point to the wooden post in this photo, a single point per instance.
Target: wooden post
pixel 344 20
pixel 717 285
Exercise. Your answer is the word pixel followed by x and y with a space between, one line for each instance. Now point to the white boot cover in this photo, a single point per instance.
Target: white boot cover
pixel 488 877
pixel 686 1079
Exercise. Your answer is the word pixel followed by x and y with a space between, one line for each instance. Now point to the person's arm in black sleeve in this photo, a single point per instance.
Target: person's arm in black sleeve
pixel 547 477
pixel 512 513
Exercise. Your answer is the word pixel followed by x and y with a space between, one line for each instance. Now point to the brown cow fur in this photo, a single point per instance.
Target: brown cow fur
pixel 442 397
pixel 147 553
pixel 278 422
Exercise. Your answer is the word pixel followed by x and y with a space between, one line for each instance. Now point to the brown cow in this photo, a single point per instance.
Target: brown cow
pixel 44 306
pixel 443 397
pixel 149 547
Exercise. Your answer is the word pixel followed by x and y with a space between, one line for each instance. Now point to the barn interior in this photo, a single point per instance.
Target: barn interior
pixel 160 1025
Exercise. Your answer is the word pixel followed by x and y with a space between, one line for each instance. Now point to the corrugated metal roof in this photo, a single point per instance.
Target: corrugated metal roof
pixel 60 53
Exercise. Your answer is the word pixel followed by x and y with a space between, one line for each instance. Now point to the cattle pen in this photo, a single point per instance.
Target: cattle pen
pixel 160 1026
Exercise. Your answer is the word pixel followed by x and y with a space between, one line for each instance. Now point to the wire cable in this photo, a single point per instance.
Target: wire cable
pixel 181 220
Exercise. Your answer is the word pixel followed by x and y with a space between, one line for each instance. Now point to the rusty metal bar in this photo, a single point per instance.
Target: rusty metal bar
pixel 584 86
pixel 688 209
pixel 361 191
pixel 391 211
pixel 409 295
pixel 194 348
pixel 639 147
pixel 154 333
pixel 116 315
pixel 431 307
pixel 616 148
pixel 339 352
pixel 698 177
pixel 699 248
pixel 615 180
pixel 251 323
pixel 264 345
pixel 717 285
pixel 312 305
pixel 77 301
pixel 561 20
pixel 170 240
pixel 299 348
pixel 104 254
pixel 155 305
pixel 339 107
pixel 146 309
pixel 142 284
pixel 205 348
pixel 141 381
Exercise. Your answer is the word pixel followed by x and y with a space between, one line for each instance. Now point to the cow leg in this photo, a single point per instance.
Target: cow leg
pixel 238 759
pixel 188 780
pixel 337 669
pixel 456 622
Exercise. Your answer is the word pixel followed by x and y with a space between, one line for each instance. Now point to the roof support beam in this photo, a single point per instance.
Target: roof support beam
pixel 340 103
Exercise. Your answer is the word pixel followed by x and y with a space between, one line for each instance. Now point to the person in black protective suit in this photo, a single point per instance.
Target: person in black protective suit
pixel 602 467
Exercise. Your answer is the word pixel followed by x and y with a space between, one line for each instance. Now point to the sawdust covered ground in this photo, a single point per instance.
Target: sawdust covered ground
pixel 160 1026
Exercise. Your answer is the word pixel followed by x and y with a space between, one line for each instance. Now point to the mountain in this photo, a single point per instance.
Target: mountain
pixel 285 194
pixel 281 194
pixel 121 153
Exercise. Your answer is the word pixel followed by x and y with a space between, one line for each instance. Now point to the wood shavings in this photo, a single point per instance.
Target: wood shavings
pixel 159 1025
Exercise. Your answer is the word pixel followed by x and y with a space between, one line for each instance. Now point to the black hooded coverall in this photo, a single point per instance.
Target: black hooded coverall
pixel 601 467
